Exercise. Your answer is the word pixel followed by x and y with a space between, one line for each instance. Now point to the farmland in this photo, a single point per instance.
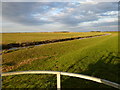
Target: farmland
pixel 27 39
pixel 31 37
pixel 93 56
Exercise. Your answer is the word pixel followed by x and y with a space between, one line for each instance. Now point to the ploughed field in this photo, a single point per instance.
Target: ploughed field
pixel 96 57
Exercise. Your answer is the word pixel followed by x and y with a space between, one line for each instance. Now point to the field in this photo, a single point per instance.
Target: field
pixel 92 56
pixel 8 38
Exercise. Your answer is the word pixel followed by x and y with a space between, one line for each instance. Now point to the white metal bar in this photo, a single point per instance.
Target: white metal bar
pixel 58 82
pixel 29 72
pixel 82 76
pixel 65 73
pixel 115 85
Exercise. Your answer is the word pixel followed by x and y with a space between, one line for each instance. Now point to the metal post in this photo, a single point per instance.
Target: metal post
pixel 58 82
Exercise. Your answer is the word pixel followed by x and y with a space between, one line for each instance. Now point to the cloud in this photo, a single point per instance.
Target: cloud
pixel 61 15
pixel 83 1
pixel 22 12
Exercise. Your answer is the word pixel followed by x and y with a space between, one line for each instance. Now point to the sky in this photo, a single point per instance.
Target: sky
pixel 59 16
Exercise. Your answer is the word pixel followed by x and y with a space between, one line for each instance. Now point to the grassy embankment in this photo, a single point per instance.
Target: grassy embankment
pixel 93 56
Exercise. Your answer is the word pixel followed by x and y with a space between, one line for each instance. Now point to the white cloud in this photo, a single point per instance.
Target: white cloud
pixel 58 16
pixel 111 13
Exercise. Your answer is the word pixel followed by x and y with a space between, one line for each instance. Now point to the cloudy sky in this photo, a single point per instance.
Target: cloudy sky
pixel 59 16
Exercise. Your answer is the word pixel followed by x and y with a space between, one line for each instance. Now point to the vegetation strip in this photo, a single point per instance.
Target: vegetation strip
pixel 12 45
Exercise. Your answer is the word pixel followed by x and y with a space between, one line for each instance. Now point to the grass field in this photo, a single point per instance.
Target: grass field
pixel 93 56
pixel 8 38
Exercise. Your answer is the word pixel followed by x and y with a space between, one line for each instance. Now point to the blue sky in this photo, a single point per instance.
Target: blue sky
pixel 59 16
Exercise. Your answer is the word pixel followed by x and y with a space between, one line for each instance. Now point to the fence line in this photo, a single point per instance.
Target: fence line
pixel 58 73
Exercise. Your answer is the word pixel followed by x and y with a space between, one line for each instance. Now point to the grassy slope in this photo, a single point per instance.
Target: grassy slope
pixel 94 57
pixel 31 37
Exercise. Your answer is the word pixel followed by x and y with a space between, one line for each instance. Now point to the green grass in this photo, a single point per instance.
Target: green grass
pixel 94 56
pixel 8 38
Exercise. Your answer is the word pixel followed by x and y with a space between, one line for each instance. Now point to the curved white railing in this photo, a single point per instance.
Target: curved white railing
pixel 58 73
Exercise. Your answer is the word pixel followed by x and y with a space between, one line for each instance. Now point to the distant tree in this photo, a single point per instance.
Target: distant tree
pixel 95 31
pixel 62 32
pixel 65 31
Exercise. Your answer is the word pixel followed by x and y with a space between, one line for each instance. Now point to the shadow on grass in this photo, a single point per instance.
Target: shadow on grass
pixel 106 67
pixel 71 67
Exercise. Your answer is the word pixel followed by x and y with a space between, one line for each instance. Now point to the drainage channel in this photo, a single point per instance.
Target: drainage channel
pixel 47 42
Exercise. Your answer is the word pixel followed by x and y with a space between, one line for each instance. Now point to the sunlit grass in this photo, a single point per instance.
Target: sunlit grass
pixel 8 38
pixel 94 56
